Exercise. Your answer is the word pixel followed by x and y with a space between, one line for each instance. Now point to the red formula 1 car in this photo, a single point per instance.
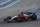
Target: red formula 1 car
pixel 28 16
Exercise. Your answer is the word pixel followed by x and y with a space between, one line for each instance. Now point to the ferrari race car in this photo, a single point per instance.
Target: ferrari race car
pixel 24 16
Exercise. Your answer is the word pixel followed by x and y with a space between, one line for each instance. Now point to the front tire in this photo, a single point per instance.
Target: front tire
pixel 8 18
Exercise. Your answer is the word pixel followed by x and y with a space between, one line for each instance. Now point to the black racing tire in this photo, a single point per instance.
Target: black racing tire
pixel 34 17
pixel 8 18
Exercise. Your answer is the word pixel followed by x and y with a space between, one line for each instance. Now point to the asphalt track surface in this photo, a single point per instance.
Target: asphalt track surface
pixel 15 9
pixel 21 24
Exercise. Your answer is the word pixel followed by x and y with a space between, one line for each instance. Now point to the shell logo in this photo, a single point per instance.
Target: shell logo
pixel 7 3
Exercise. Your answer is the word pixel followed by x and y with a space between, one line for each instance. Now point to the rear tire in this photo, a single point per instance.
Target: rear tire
pixel 34 17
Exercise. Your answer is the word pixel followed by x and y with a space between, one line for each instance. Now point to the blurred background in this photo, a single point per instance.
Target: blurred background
pixel 16 7
pixel 22 5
